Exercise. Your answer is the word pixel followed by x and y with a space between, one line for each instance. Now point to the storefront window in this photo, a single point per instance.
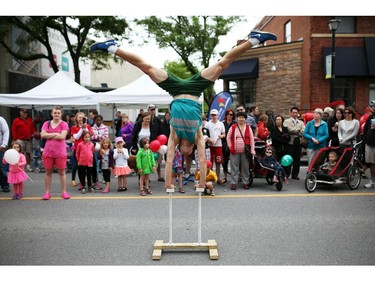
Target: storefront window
pixel 242 91
pixel 345 90
pixel 347 25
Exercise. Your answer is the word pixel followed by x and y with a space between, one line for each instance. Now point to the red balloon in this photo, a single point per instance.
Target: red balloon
pixel 162 139
pixel 155 146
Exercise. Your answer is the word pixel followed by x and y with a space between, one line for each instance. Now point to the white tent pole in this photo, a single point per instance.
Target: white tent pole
pixel 98 107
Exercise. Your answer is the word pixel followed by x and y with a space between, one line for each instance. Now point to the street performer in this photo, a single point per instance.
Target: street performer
pixel 186 121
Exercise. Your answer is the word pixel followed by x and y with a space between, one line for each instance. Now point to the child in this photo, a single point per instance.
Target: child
pixel 121 155
pixel 85 158
pixel 106 162
pixel 17 174
pixel 145 165
pixel 269 161
pixel 178 168
pixel 207 141
pixel 211 179
pixel 332 160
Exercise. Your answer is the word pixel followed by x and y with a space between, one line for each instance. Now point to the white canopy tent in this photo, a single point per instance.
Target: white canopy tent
pixel 59 89
pixel 136 94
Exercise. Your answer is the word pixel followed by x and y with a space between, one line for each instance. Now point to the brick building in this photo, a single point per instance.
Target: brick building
pixel 292 70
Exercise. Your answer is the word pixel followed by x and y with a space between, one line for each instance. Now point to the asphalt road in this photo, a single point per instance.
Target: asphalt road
pixel 261 226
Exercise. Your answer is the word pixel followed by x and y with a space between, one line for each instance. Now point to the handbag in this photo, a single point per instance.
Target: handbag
pixel 303 142
pixel 247 148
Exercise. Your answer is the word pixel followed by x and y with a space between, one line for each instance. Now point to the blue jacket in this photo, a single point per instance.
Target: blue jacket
pixel 321 134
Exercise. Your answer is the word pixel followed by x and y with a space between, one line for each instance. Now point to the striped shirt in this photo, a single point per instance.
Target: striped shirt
pixel 100 133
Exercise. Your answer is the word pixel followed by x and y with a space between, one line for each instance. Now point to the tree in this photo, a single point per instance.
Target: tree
pixel 83 29
pixel 178 68
pixel 193 38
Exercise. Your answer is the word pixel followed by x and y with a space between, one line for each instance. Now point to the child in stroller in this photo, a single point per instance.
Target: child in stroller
pixel 269 162
pixel 261 166
pixel 342 167
pixel 332 161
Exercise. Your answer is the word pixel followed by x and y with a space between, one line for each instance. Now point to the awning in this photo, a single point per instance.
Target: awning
pixel 241 69
pixel 370 53
pixel 349 61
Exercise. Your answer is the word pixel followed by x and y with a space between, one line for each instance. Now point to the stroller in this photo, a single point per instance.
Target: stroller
pixel 346 169
pixel 257 170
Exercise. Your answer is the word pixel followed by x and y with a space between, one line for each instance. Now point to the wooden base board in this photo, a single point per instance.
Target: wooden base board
pixel 211 246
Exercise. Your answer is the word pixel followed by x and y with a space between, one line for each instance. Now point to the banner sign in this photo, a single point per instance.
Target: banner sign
pixel 222 101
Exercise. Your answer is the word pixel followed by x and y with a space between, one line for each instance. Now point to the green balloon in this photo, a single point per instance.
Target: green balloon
pixel 286 160
pixel 156 155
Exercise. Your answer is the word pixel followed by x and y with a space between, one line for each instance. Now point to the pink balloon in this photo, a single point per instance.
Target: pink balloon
pixel 155 146
pixel 162 139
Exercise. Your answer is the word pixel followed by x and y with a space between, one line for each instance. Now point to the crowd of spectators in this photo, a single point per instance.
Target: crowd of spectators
pixel 227 142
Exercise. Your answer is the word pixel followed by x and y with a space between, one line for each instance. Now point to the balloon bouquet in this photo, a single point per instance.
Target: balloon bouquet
pixel 159 146
pixel 156 146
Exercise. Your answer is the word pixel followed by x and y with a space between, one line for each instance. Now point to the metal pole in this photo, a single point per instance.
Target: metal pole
pixel 170 217
pixel 333 67
pixel 199 217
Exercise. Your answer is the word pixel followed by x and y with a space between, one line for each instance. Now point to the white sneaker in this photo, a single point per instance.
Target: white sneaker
pixel 370 184
pixel 28 168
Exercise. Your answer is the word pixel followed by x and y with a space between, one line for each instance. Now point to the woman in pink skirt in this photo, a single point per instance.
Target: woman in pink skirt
pixel 17 174
pixel 121 156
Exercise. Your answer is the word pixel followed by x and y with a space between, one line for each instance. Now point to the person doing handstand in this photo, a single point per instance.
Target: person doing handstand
pixel 186 121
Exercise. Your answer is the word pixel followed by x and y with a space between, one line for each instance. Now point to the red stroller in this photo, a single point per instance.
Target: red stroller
pixel 346 169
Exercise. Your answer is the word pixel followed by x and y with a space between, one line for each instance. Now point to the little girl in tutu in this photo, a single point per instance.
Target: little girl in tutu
pixel 120 156
pixel 17 174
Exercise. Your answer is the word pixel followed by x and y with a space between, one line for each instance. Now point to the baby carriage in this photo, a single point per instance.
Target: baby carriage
pixel 257 170
pixel 346 169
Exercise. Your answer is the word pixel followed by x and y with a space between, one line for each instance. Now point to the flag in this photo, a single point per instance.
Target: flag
pixel 222 101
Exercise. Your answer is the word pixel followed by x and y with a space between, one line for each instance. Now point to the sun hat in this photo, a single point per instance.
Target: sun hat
pixel 118 139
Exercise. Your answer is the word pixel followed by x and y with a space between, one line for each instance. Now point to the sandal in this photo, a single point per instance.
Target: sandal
pixel 119 189
pixel 181 190
pixel 148 191
pixel 143 193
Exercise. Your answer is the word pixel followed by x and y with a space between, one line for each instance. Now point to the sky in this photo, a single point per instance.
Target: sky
pixel 157 56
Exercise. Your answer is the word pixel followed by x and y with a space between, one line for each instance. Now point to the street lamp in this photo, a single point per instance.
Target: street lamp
pixel 333 24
